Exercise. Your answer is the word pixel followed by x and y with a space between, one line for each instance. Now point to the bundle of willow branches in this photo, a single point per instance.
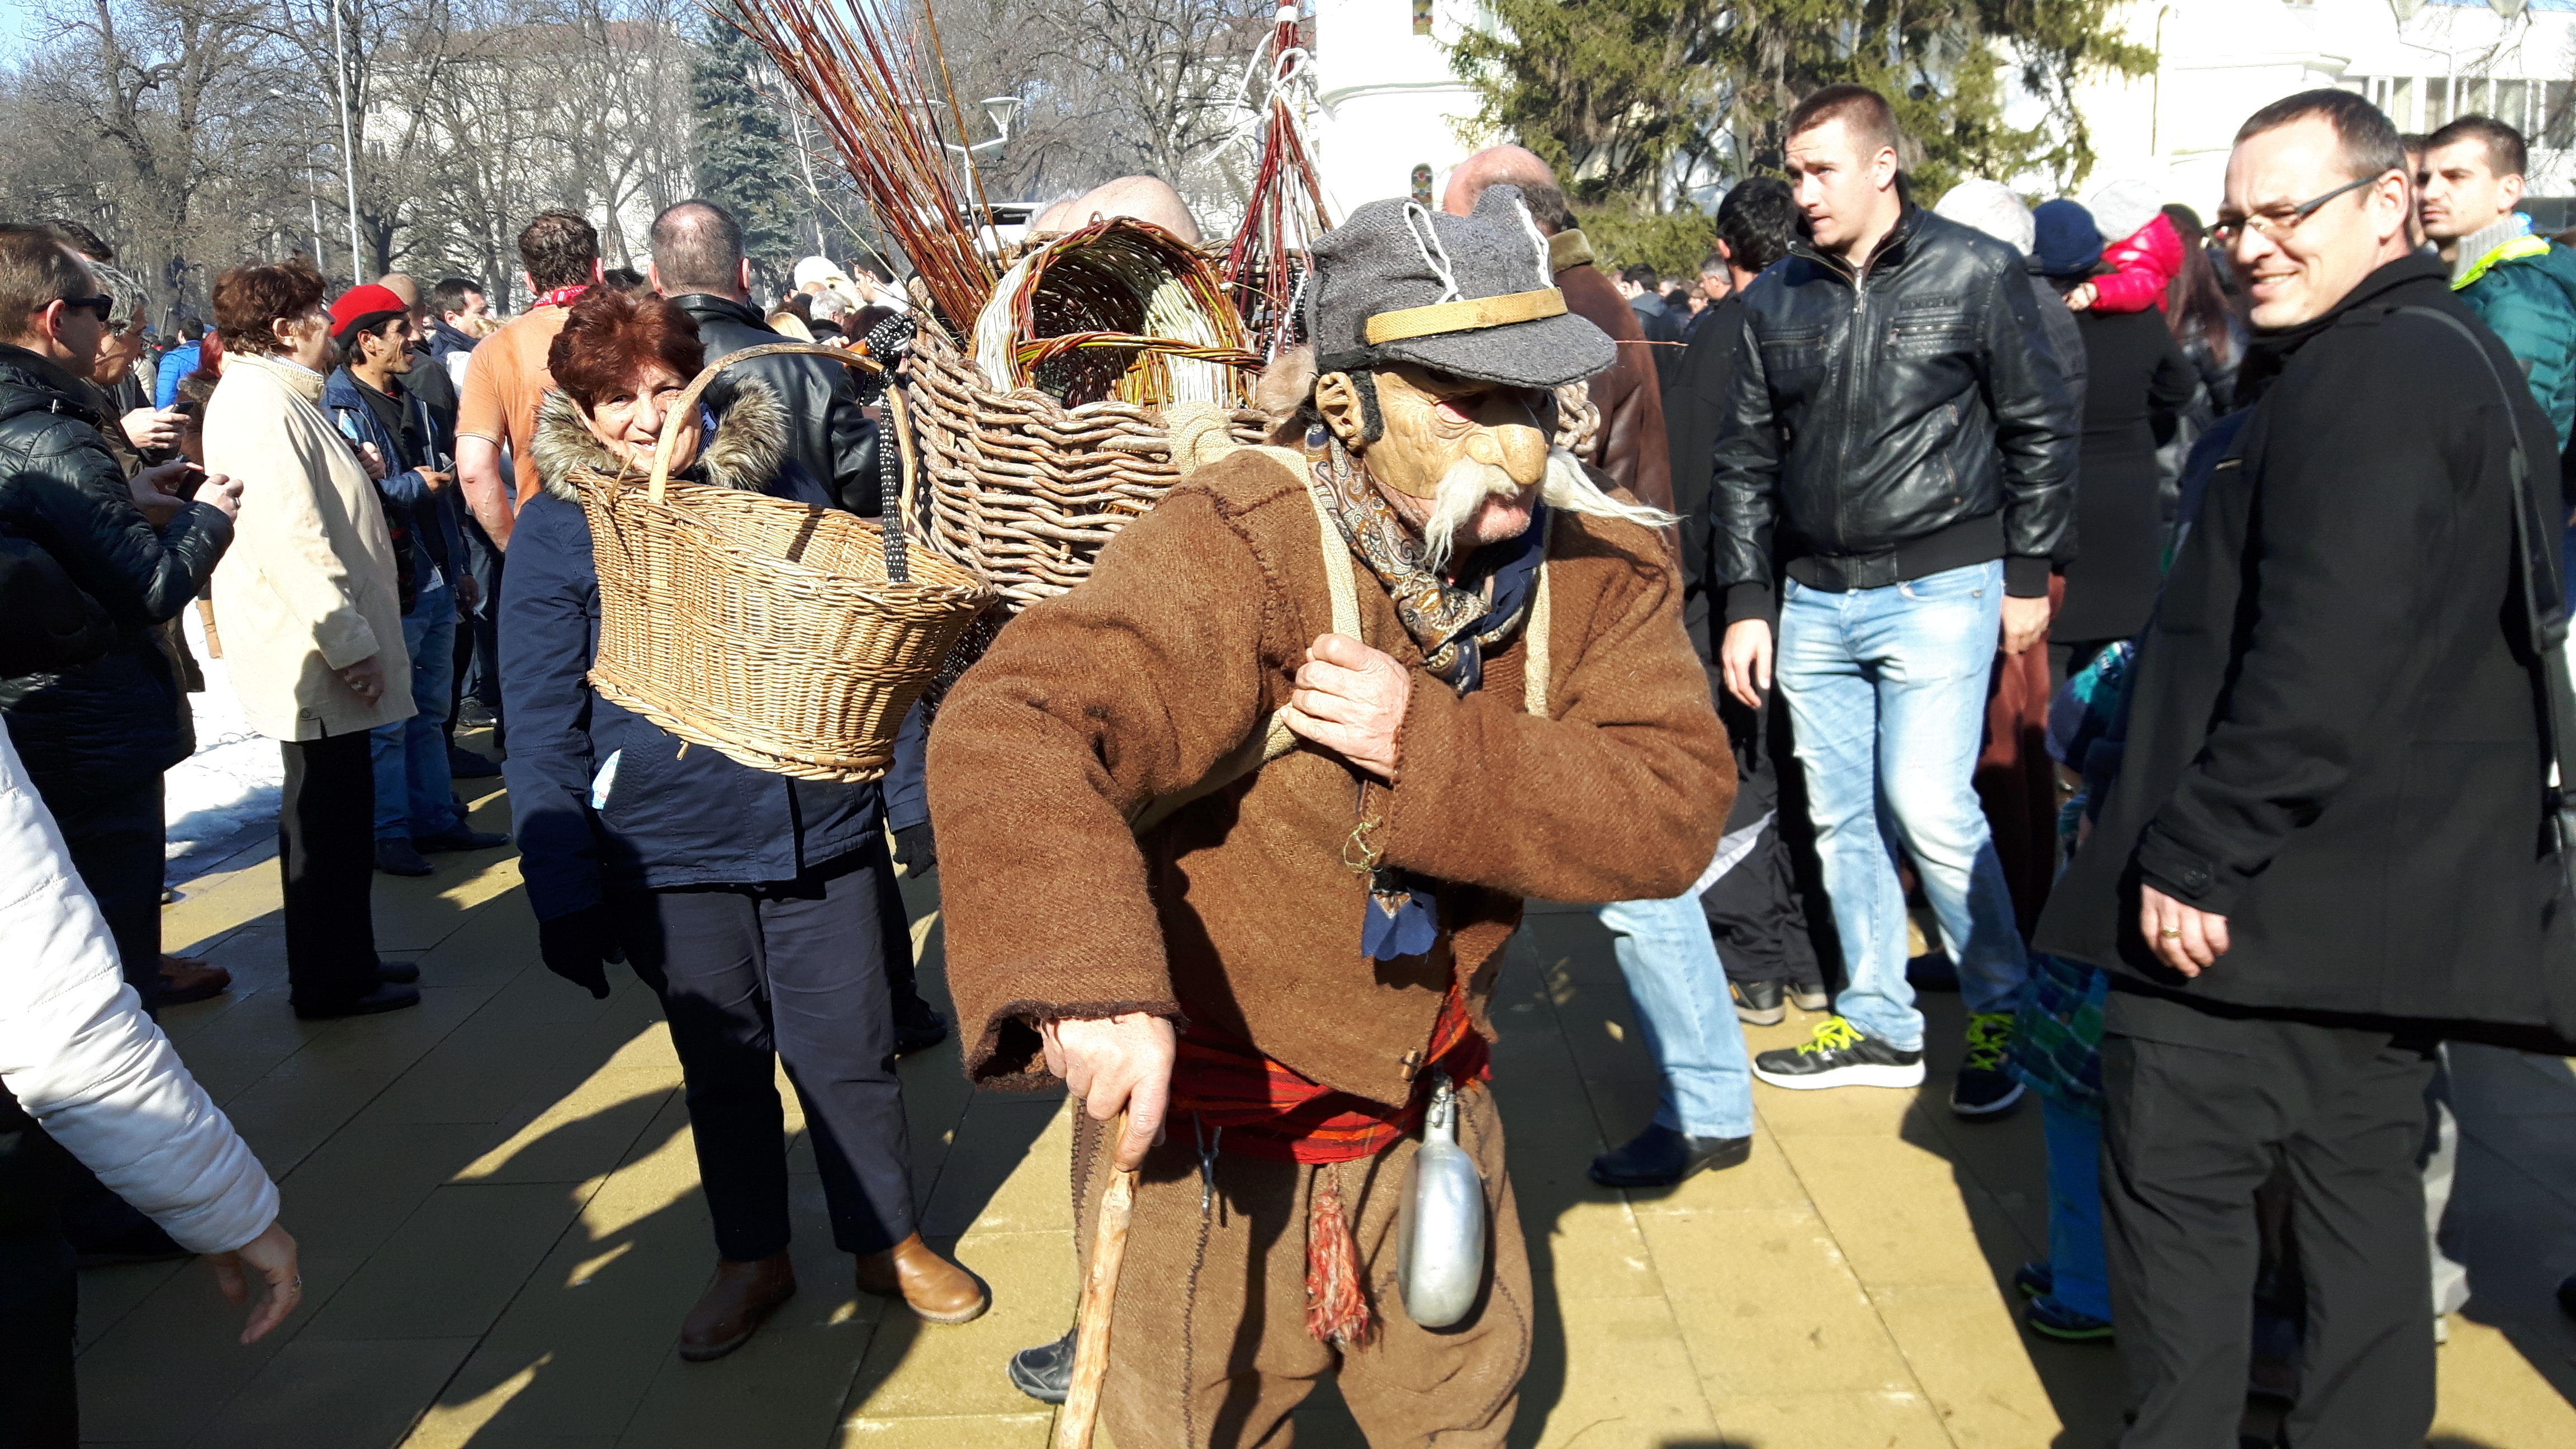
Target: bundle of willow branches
pixel 1286 211
pixel 878 91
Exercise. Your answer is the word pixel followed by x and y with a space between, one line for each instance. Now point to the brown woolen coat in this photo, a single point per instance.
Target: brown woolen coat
pixel 1632 447
pixel 1238 911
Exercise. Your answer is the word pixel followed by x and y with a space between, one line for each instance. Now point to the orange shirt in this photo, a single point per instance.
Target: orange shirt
pixel 505 380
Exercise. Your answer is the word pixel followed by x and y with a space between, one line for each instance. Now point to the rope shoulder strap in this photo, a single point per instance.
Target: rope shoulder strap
pixel 1341 581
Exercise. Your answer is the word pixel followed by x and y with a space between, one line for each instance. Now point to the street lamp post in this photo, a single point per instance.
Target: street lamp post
pixel 312 196
pixel 348 161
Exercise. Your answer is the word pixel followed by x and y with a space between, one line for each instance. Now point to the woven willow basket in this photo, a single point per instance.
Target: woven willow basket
pixel 1020 488
pixel 763 628
pixel 1025 491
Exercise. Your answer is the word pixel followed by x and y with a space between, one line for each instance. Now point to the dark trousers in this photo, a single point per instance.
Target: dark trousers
pixel 1758 909
pixel 39 1398
pixel 326 852
pixel 2199 1110
pixel 116 839
pixel 798 971
pixel 39 1407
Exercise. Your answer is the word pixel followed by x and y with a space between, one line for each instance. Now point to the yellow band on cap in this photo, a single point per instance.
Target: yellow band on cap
pixel 1470 315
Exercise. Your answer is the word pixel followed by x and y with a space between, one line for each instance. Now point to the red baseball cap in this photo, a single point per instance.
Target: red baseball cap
pixel 364 306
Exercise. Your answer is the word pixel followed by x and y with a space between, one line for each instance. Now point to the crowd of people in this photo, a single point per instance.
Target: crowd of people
pixel 2148 629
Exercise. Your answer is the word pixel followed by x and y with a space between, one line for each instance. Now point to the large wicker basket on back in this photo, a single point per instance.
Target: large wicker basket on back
pixel 1034 450
pixel 770 630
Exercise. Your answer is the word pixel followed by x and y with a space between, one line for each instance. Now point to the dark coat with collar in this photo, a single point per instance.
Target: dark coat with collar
pixel 2334 736
pixel 1630 445
pixel 673 816
pixel 62 490
pixel 433 523
pixel 827 433
pixel 1894 421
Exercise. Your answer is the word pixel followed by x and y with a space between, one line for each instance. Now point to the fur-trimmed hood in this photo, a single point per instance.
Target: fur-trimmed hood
pixel 749 444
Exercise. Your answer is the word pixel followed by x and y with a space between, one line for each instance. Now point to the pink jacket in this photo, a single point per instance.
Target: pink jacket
pixel 2147 260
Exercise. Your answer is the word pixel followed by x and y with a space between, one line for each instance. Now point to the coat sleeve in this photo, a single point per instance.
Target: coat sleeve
pixel 2537 322
pixel 2341 578
pixel 81 510
pixel 547 614
pixel 1087 707
pixel 855 481
pixel 285 476
pixel 2037 428
pixel 1620 795
pixel 84 1061
pixel 1744 487
pixel 46 622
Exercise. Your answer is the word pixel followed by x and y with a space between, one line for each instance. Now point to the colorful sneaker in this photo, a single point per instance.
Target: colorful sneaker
pixel 2051 1319
pixel 1984 1088
pixel 2035 1279
pixel 1840 1056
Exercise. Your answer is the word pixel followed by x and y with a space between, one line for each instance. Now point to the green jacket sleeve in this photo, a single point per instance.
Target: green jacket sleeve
pixel 2526 303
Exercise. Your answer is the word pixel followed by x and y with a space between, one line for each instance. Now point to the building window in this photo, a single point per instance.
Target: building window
pixel 1422 17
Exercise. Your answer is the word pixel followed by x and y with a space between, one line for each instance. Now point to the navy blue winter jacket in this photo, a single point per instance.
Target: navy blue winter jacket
pixel 663 817
pixel 403 488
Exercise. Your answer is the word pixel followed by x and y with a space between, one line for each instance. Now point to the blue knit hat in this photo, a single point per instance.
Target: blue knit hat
pixel 2067 245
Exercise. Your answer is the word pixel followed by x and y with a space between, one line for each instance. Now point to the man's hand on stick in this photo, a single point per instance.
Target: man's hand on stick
pixel 1121 1063
pixel 1351 700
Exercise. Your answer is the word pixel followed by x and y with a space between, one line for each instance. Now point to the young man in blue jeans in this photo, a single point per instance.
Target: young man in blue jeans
pixel 416 808
pixel 1900 444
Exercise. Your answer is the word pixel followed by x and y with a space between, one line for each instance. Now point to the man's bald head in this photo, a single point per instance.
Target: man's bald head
pixel 1509 166
pixel 1146 198
pixel 697 247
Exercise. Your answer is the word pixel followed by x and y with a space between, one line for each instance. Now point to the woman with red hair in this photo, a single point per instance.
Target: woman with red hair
pixel 749 901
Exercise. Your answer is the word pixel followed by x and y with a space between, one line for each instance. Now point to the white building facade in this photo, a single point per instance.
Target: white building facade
pixel 1389 108
pixel 2422 61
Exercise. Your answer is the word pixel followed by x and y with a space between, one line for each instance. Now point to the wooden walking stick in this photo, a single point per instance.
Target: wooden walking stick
pixel 1073 1423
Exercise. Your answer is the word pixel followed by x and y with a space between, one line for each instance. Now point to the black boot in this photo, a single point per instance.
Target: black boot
pixel 1661 1157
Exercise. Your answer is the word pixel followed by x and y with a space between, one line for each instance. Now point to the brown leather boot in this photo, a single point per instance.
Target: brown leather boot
pixel 932 1286
pixel 734 1305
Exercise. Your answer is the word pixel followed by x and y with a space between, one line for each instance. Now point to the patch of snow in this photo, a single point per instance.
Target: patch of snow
pixel 225 795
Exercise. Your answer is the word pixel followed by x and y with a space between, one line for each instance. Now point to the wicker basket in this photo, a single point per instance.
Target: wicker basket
pixel 1022 489
pixel 763 628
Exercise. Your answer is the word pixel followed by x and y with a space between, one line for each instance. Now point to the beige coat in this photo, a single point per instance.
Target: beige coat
pixel 309 587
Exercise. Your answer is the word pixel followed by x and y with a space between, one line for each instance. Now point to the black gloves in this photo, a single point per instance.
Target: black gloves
pixel 577 947
pixel 915 850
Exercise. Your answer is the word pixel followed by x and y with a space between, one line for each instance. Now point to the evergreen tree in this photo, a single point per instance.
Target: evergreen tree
pixel 1612 92
pixel 739 149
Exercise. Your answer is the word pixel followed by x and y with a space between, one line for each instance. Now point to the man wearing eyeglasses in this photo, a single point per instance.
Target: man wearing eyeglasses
pixel 96 738
pixel 2323 853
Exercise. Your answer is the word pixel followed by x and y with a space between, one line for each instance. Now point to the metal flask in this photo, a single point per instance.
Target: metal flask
pixel 1440 1230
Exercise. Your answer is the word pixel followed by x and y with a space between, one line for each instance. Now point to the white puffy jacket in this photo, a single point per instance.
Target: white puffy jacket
pixel 83 1059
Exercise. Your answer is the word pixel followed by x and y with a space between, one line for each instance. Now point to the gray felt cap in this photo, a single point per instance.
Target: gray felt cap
pixel 1507 322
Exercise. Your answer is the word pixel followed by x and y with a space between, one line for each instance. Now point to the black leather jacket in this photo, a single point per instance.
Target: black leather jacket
pixel 123 714
pixel 1894 424
pixel 827 432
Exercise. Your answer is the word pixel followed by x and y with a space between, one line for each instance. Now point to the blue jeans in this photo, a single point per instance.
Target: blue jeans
pixel 413 796
pixel 1887 691
pixel 1666 953
pixel 2075 1209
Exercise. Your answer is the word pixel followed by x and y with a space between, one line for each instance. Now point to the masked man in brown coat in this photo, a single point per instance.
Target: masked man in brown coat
pixel 1465 664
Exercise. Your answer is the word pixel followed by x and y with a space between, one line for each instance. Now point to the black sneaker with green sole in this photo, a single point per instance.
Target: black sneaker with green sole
pixel 1985 1088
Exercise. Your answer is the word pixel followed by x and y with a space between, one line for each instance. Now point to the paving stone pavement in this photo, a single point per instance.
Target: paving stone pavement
pixel 499 1213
